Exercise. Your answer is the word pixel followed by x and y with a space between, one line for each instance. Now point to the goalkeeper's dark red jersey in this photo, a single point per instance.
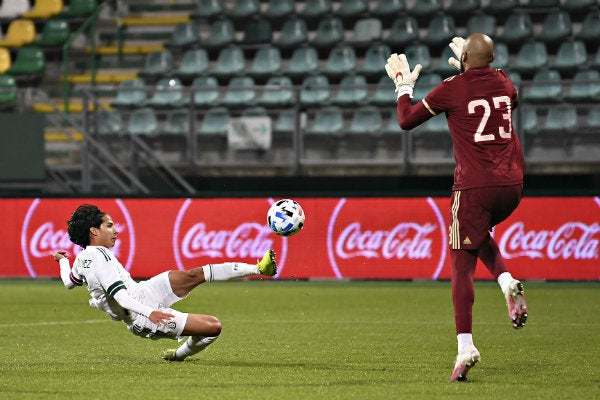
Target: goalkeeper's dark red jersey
pixel 479 106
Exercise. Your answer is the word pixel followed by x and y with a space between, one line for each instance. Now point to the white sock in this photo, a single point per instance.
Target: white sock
pixel 193 345
pixel 465 342
pixel 504 280
pixel 228 270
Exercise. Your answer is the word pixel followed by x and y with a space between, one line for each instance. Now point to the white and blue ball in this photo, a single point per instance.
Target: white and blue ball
pixel 285 217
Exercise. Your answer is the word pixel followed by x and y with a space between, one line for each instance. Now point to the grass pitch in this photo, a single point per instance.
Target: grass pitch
pixel 305 340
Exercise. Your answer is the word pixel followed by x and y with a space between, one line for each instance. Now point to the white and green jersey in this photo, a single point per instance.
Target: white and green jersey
pixel 110 285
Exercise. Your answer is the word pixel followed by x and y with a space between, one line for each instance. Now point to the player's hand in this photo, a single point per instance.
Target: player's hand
pixel 399 72
pixel 456 45
pixel 159 317
pixel 58 254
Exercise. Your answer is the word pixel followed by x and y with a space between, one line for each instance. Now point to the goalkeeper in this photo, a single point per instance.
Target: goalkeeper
pixel 488 174
pixel 144 306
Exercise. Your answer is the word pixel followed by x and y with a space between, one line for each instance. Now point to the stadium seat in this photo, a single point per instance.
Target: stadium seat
pixel 517 28
pixel 14 8
pixel 418 54
pixel 194 62
pixel 352 8
pixel 44 9
pixel 482 23
pixel 501 56
pixel 462 7
pixel 546 86
pixel 404 30
pixel 78 9
pixel 19 33
pixel 277 92
pixel 230 61
pixel 29 61
pixel 385 8
pixel 215 122
pixel 326 121
pixel 293 33
pixel 221 33
pixel 340 61
pixel 590 27
pixel 54 34
pixel 315 90
pixel 168 92
pixel 143 121
pixel 561 119
pixel 391 127
pixel 285 122
pixel 440 30
pixel 366 31
pixel 266 61
pixel 240 92
pixel 592 121
pixel 366 121
pixel 570 56
pixel 205 91
pixel 241 9
pixel 424 85
pixel 130 93
pixel 257 31
pixel 443 68
pixel 207 9
pixel 557 26
pixel 157 64
pixel 5 60
pixel 384 94
pixel 376 56
pixel 8 91
pixel 177 122
pixel 425 8
pixel 304 60
pixel 110 123
pixel 515 77
pixel 184 35
pixel 500 7
pixel 578 5
pixel 352 90
pixel 585 87
pixel 279 9
pixel 315 9
pixel 330 31
pixel 528 123
pixel 531 57
pixel 595 62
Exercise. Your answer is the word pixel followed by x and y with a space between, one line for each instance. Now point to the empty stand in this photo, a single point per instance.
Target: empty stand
pixel 143 121
pixel 205 91
pixel 340 61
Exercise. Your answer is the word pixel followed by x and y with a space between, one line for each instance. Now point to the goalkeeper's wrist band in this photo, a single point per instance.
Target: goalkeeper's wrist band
pixel 404 89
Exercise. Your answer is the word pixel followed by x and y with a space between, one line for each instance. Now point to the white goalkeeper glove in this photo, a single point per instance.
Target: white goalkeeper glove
pixel 399 72
pixel 457 48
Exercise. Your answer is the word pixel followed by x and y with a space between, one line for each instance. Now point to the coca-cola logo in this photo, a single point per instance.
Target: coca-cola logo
pixel 569 241
pixel 44 231
pixel 218 233
pixel 387 241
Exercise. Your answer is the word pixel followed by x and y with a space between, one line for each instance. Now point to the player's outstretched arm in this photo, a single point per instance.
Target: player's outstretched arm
pixel 399 72
pixel 66 275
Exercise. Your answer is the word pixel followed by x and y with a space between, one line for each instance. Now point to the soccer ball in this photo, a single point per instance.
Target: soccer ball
pixel 285 217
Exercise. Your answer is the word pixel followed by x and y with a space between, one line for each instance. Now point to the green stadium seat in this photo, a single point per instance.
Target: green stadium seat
pixel 352 8
pixel 440 30
pixel 418 54
pixel 240 92
pixel 194 62
pixel 366 120
pixel 592 121
pixel 531 57
pixel 279 9
pixel 29 61
pixel 561 119
pixel 230 61
pixel 366 31
pixel 462 7
pixel 315 90
pixel 177 122
pixel 293 33
pixel 330 31
pixel 168 92
pixel 570 56
pixel 483 23
pixel 285 122
pixel 110 123
pixel 157 64
pixel 590 28
pixel 578 5
pixel 443 68
pixel 352 90
pixel 340 61
pixel 404 30
pixel 130 93
pixel 501 56
pixel 384 94
pixel 54 34
pixel 392 127
pixel 517 28
pixel 304 60
pixel 425 8
pixel 79 9
pixel 205 91
pixel 267 61
pixel 585 87
pixel 241 9
pixel 546 86
pixel 215 122
pixel 257 31
pixel 206 9
pixel 8 91
pixel 221 33
pixel 315 9
pixel 278 91
pixel 376 56
pixel 143 121
pixel 528 121
pixel 184 35
pixel 556 27
pixel 327 121
pixel 385 8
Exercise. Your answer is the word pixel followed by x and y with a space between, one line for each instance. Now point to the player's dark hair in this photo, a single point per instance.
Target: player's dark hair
pixel 83 218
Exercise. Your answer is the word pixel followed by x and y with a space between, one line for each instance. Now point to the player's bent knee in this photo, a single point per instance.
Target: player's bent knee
pixel 205 325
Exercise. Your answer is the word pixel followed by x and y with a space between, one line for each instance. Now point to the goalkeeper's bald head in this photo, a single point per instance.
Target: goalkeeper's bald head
pixel 478 51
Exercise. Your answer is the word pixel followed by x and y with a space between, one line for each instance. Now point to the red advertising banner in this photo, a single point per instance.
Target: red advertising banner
pixel 552 238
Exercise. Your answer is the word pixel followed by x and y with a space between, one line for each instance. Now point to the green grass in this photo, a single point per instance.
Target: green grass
pixel 305 340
